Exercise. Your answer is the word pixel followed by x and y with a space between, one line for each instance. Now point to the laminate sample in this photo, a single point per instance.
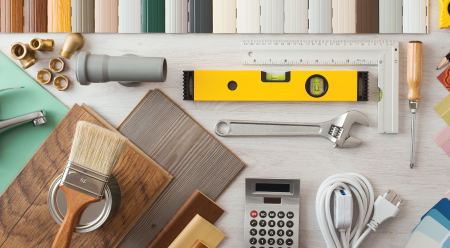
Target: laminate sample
pixel 197 203
pixel 153 16
pixel 320 16
pixel 248 16
pixel 391 16
pixel 224 16
pixel 130 20
pixel 296 16
pixel 200 16
pixel 415 16
pixel 106 16
pixel 183 148
pixel 177 16
pixel 83 15
pixel 198 229
pixel 199 244
pixel 25 218
pixel 59 16
pixel 344 16
pixel 367 16
pixel 11 16
pixel 272 16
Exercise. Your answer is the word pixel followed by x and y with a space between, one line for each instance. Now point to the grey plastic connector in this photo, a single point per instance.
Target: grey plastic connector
pixel 91 68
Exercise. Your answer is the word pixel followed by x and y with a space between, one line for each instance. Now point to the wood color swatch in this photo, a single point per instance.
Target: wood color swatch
pixel 153 16
pixel 367 16
pixel 59 16
pixel 83 16
pixel 442 139
pixel 191 155
pixel 25 218
pixel 106 16
pixel 197 203
pixel 200 244
pixel 11 16
pixel 35 16
pixel 198 229
pixel 443 109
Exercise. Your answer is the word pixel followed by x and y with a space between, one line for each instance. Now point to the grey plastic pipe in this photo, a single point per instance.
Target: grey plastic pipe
pixel 91 68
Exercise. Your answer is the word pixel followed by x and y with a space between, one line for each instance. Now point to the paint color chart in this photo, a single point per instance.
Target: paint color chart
pixel 215 16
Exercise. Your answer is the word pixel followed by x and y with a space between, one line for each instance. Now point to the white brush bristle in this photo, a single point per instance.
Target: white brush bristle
pixel 96 148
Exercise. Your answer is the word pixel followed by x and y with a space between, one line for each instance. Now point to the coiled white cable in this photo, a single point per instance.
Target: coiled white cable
pixel 363 192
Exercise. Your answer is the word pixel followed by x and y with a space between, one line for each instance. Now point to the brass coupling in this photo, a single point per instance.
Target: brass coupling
pixel 42 45
pixel 72 43
pixel 24 54
pixel 40 76
pixel 57 82
pixel 53 63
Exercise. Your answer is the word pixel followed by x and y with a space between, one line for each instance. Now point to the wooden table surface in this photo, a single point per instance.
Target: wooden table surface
pixel 382 158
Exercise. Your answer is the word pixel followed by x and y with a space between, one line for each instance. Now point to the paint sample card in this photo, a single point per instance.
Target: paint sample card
pixel 444 78
pixel 432 229
pixel 442 139
pixel 420 240
pixel 443 107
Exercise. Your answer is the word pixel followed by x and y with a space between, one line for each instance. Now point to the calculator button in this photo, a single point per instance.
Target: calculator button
pixel 253 241
pixel 290 215
pixel 272 214
pixel 271 223
pixel 280 223
pixel 290 224
pixel 263 214
pixel 253 232
pixel 262 241
pixel 271 241
pixel 262 223
pixel 289 233
pixel 280 233
pixel 262 232
pixel 253 223
pixel 281 214
pixel 280 242
pixel 254 214
pixel 289 241
pixel 271 232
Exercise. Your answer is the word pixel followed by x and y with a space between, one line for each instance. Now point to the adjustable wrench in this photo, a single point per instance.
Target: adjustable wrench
pixel 336 130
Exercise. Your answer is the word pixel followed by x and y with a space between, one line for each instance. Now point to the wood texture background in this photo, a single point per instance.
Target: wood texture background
pixel 83 13
pixel 35 16
pixel 367 16
pixel 25 218
pixel 382 158
pixel 11 16
pixel 59 16
pixel 106 16
pixel 197 203
pixel 200 244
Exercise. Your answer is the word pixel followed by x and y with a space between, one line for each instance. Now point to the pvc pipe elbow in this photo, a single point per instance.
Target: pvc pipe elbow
pixel 72 43
pixel 24 54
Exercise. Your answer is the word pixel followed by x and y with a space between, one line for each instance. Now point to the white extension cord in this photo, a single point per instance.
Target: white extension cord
pixel 361 189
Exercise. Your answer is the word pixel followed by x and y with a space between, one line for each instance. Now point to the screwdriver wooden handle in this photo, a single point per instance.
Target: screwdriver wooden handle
pixel 414 69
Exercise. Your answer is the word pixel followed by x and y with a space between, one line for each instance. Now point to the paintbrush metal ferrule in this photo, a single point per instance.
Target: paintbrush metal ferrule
pixel 84 180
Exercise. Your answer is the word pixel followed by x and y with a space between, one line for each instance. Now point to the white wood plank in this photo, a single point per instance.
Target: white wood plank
pixel 248 16
pixel 415 16
pixel 272 16
pixel 176 16
pixel 224 16
pixel 130 13
pixel 344 16
pixel 106 16
pixel 296 16
pixel 391 16
pixel 320 14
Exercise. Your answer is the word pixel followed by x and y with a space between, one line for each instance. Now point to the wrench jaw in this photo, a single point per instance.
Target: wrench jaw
pixel 340 129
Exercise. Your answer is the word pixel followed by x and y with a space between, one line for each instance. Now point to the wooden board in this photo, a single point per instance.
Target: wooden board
pixel 35 16
pixel 191 155
pixel 11 16
pixel 25 218
pixel 200 244
pixel 198 229
pixel 367 16
pixel 197 203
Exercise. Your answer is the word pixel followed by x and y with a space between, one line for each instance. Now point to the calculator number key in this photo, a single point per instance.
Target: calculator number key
pixel 280 223
pixel 262 241
pixel 280 233
pixel 280 242
pixel 253 232
pixel 262 232
pixel 271 223
pixel 271 232
pixel 253 223
pixel 271 241
pixel 262 223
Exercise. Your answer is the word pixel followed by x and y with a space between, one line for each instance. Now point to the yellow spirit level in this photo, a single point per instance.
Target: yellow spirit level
pixel 259 86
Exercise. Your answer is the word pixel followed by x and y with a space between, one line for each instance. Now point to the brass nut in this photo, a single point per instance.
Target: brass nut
pixel 24 54
pixel 52 65
pixel 57 80
pixel 42 45
pixel 40 76
pixel 72 43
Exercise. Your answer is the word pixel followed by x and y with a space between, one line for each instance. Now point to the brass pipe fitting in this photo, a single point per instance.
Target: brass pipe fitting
pixel 40 76
pixel 52 65
pixel 57 82
pixel 23 53
pixel 72 43
pixel 42 45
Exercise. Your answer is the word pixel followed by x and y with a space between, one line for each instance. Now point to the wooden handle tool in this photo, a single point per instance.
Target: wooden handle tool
pixel 414 77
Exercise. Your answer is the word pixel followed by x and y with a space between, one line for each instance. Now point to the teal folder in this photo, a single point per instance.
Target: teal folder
pixel 18 145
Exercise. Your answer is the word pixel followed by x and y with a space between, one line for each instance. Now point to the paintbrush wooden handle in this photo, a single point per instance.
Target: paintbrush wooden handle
pixel 76 203
pixel 414 69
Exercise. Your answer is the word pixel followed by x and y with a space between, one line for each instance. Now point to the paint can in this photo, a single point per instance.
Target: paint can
pixel 95 215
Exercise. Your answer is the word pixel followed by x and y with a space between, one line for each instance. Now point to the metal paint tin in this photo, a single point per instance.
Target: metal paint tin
pixel 95 214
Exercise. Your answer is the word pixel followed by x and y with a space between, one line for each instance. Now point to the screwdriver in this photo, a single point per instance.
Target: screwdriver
pixel 414 77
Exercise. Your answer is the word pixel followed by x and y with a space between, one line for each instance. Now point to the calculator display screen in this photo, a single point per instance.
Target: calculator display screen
pixel 270 187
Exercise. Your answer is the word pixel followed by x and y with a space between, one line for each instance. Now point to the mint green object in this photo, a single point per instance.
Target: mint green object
pixel 18 144
pixel 275 77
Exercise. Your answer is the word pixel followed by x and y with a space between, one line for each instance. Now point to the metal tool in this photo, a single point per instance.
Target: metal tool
pixel 336 130
pixel 414 77
pixel 37 118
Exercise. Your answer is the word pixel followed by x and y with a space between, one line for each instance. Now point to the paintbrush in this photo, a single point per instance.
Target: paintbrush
pixel 94 155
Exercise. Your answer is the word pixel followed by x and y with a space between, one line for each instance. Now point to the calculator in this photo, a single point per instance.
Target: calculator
pixel 272 210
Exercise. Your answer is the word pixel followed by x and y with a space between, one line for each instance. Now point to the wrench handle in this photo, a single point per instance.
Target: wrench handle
pixel 253 128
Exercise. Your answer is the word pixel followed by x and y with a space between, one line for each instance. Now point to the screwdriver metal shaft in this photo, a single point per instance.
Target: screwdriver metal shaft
pixel 413 124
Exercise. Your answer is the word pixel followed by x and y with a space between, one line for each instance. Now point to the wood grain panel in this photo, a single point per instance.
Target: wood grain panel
pixel 367 16
pixel 25 219
pixel 197 203
pixel 35 16
pixel 182 147
pixel 199 244
pixel 153 16
pixel 106 16
pixel 12 16
pixel 59 16
pixel 83 16
pixel 198 229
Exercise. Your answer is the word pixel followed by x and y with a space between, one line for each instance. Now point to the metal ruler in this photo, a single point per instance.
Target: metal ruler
pixel 384 54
